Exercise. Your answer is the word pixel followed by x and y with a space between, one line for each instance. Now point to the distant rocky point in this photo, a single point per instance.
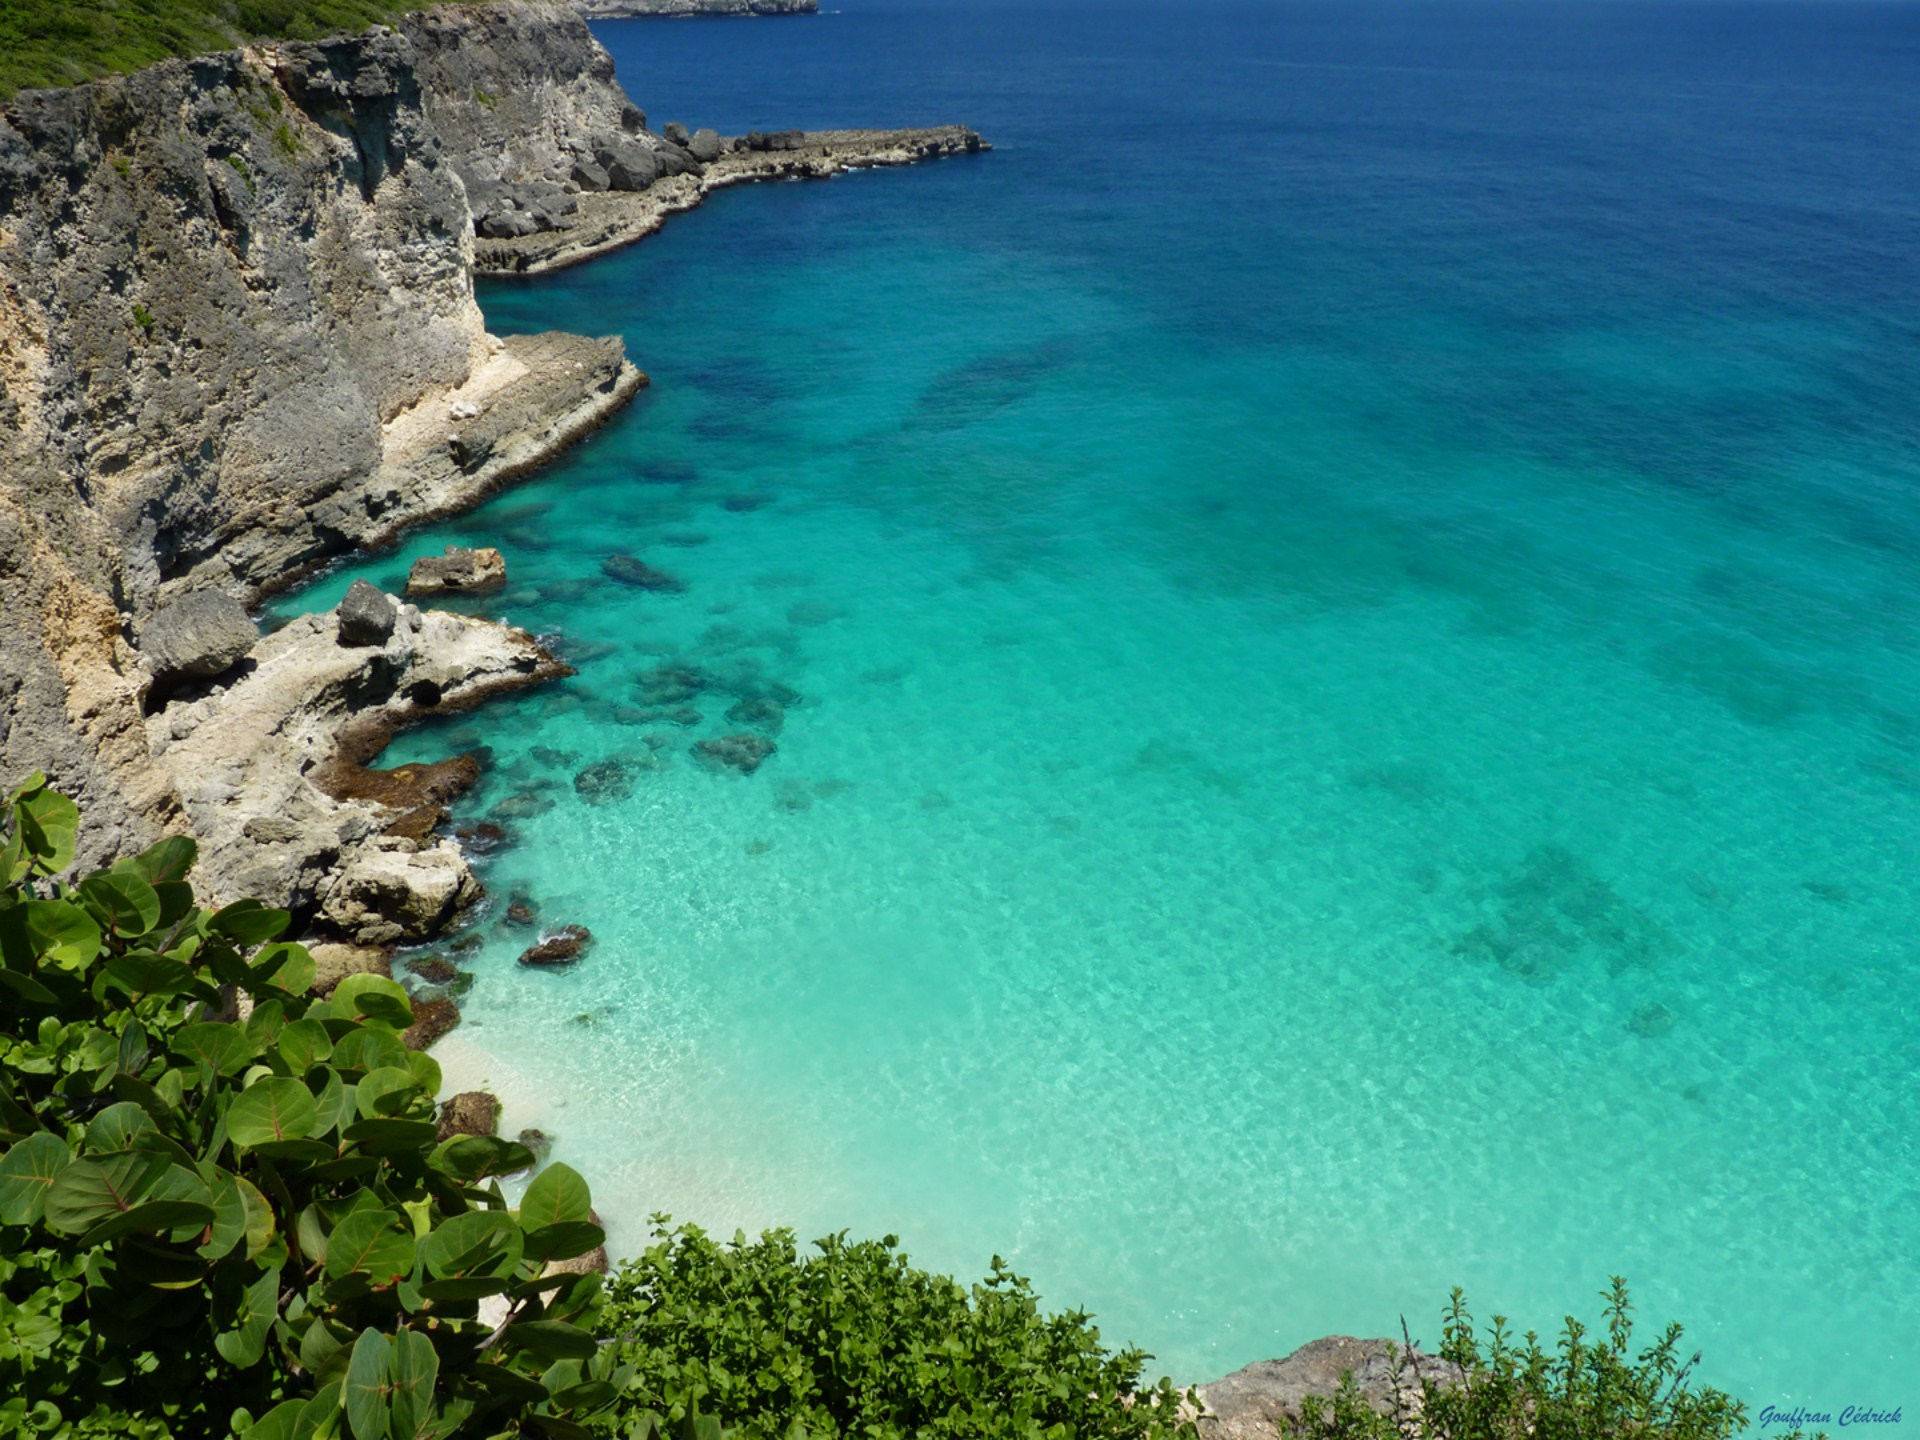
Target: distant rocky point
pixel 687 9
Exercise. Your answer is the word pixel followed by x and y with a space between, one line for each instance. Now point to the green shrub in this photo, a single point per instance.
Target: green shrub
pixel 1584 1389
pixel 209 1221
pixel 857 1341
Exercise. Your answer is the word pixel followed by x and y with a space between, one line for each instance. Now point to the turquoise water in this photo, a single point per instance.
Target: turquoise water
pixel 1354 634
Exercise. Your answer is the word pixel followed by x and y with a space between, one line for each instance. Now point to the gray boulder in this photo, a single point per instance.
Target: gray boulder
pixel 505 225
pixel 629 164
pixel 591 175
pixel 197 637
pixel 706 146
pixel 366 616
pixel 1263 1401
pixel 676 132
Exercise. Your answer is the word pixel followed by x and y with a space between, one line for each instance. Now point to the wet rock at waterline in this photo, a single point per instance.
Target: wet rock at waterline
pixel 564 946
pixel 471 1112
pixel 1262 1402
pixel 432 1018
pixel 458 571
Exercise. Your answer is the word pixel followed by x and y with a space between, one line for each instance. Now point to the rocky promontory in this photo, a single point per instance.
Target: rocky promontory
pixel 606 216
pixel 692 9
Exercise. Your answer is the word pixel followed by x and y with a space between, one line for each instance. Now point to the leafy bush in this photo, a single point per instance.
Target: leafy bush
pixel 222 1202
pixel 1582 1390
pixel 857 1341
pixel 61 42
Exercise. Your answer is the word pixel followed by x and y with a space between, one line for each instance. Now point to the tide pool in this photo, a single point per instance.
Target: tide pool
pixel 1341 614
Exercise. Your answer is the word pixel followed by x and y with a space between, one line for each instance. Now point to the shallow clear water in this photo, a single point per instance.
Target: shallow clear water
pixel 1353 591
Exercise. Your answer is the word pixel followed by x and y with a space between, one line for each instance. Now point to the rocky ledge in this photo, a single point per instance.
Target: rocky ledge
pixel 270 768
pixel 691 9
pixel 601 219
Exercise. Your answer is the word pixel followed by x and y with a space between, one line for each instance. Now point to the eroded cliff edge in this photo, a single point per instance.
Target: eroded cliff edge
pixel 238 337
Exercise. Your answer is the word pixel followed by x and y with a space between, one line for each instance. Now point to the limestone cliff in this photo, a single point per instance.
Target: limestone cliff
pixel 238 337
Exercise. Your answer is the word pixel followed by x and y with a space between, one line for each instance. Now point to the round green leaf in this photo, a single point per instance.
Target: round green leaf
pixel 122 902
pixel 56 933
pixel 117 1128
pixel 369 1242
pixel 27 1174
pixel 149 1218
pixel 274 1108
pixel 370 997
pixel 51 825
pixel 223 1049
pixel 481 1241
pixel 87 1192
pixel 248 922
pixel 304 1044
pixel 366 1383
pixel 557 1196
pixel 165 860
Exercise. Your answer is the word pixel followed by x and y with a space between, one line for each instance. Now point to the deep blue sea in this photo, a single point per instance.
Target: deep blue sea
pixel 1343 613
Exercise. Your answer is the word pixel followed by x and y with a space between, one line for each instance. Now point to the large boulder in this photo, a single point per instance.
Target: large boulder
pixel 458 571
pixel 630 164
pixel 197 637
pixel 367 616
pixel 432 1018
pixel 675 132
pixel 1262 1401
pixel 333 962
pixel 706 146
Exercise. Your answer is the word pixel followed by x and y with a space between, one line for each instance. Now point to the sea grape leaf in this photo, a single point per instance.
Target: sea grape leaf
pixel 164 861
pixel 370 997
pixel 412 1368
pixel 304 1044
pixel 474 1157
pixel 223 1049
pixel 285 967
pixel 117 1127
pixel 248 922
pixel 368 1242
pixel 122 902
pixel 87 1192
pixel 271 1109
pixel 51 824
pixel 557 1196
pixel 555 1339
pixel 48 932
pixel 27 1173
pixel 365 1384
pixel 150 1217
pixel 480 1240
pixel 564 1241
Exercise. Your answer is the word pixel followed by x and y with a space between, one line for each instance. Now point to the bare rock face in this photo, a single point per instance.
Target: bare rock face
pixel 197 636
pixel 1259 1402
pixel 366 616
pixel 458 572
pixel 706 146
pixel 236 315
pixel 271 777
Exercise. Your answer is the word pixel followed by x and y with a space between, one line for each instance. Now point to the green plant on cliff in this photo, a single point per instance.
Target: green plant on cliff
pixel 856 1341
pixel 212 1222
pixel 1586 1388
pixel 63 42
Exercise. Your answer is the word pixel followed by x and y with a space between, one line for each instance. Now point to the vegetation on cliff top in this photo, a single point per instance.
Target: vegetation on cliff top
pixel 64 42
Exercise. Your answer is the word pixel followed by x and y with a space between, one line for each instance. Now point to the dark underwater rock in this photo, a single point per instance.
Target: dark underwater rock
pixel 471 1112
pixel 632 570
pixel 759 714
pixel 745 752
pixel 605 781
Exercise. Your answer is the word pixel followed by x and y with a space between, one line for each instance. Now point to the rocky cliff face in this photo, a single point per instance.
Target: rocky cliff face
pixel 238 336
pixel 678 9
